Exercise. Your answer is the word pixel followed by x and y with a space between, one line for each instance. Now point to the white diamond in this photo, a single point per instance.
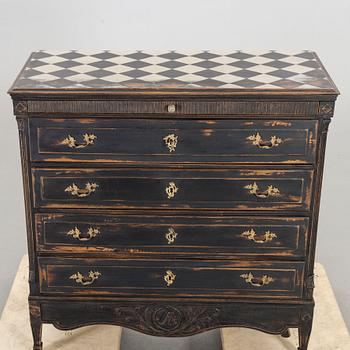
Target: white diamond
pixel 84 68
pixel 189 60
pixel 120 60
pixel 52 59
pixel 265 78
pixel 262 69
pixel 117 78
pixel 44 77
pixel 228 78
pixel 86 60
pixel 190 69
pixel 154 78
pixel 298 69
pixel 118 69
pixel 226 69
pixel 48 68
pixel 154 69
pixel 191 78
pixel 293 60
pixel 258 60
pixel 223 59
pixel 79 77
pixel 154 60
pixel 269 86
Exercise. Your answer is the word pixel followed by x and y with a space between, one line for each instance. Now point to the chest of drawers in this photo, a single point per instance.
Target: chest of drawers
pixel 172 192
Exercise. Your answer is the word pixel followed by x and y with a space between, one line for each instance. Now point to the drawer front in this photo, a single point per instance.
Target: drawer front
pixel 193 235
pixel 116 140
pixel 170 277
pixel 248 189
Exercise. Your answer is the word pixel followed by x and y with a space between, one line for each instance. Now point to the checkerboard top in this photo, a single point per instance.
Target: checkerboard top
pixel 174 70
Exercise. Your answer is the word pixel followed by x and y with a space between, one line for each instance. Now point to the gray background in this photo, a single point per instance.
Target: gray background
pixel 322 26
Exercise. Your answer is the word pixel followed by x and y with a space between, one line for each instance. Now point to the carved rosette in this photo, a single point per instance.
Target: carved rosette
pixel 326 108
pixel 20 107
pixel 164 320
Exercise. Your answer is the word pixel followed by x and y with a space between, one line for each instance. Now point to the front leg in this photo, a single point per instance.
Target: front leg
pixel 305 326
pixel 36 324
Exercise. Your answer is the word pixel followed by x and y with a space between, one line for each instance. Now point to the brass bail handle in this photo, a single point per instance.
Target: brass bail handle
pixel 74 190
pixel 257 281
pixel 269 192
pixel 70 141
pixel 85 280
pixel 258 141
pixel 77 234
pixel 252 236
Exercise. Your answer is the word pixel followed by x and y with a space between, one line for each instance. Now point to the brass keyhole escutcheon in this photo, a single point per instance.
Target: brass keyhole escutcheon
pixel 169 278
pixel 171 235
pixel 171 142
pixel 171 190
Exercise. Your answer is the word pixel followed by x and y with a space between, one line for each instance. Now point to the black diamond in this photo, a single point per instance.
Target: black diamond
pixel 71 55
pixel 37 63
pixel 242 64
pixel 172 64
pixel 307 54
pixel 245 73
pixel 31 73
pixel 172 55
pixel 104 55
pixel 316 73
pixel 280 73
pixel 102 64
pixel 311 64
pixel 172 73
pixel 67 64
pixel 136 64
pixel 138 55
pixel 277 64
pixel 274 55
pixel 240 55
pixel 207 64
pixel 206 55
pixel 248 83
pixel 208 73
pixel 135 73
pixel 100 73
pixel 209 83
pixel 40 54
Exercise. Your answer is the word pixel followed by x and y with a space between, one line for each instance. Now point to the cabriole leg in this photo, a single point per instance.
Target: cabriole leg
pixel 36 324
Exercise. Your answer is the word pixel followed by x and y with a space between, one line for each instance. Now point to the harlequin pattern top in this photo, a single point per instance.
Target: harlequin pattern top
pixel 267 70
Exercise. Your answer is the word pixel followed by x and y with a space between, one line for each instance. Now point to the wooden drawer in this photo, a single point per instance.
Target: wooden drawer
pixel 244 189
pixel 219 141
pixel 171 277
pixel 164 234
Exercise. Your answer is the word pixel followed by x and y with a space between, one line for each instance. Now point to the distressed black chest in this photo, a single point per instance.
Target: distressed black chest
pixel 173 192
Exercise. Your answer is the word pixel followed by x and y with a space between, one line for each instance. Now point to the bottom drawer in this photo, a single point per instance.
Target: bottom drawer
pixel 171 277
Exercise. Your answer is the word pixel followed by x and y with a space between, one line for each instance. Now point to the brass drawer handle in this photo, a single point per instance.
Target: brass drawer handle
pixel 88 139
pixel 171 142
pixel 171 190
pixel 171 108
pixel 76 233
pixel 259 142
pixel 83 280
pixel 255 281
pixel 269 192
pixel 81 192
pixel 169 278
pixel 171 235
pixel 251 236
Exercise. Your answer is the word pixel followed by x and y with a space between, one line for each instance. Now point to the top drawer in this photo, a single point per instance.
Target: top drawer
pixel 182 141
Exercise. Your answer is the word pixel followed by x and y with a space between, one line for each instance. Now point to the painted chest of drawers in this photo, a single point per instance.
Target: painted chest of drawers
pixel 173 192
